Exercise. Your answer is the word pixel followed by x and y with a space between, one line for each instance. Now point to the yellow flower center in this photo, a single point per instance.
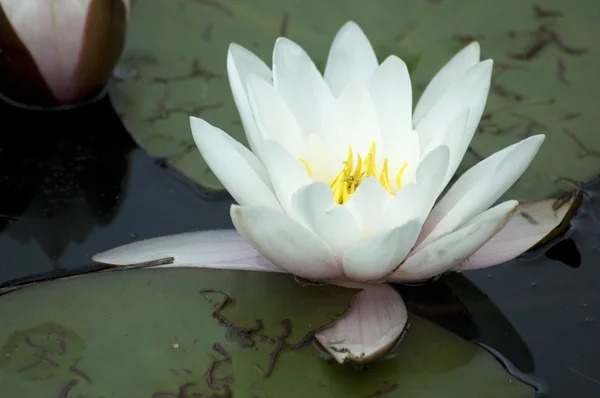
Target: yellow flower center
pixel 350 177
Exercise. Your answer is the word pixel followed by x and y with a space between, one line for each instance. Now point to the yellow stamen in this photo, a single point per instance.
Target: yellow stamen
pixel 345 184
pixel 308 170
pixel 399 176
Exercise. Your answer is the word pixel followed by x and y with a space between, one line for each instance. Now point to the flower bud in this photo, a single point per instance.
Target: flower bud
pixel 59 52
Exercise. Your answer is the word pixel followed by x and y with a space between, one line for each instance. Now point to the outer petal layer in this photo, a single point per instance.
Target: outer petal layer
pixel 221 249
pixel 235 166
pixel 242 63
pixel 376 320
pixel 439 256
pixel 451 72
pixel 529 224
pixel 478 188
pixel 286 242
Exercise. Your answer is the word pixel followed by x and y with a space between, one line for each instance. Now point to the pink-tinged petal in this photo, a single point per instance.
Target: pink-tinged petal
pixel 314 208
pixel 439 256
pixel 391 91
pixel 300 84
pixel 527 226
pixel 241 63
pixel 54 40
pixel 478 188
pixel 240 172
pixel 351 58
pixel 376 320
pixel 60 51
pixel 286 243
pixel 376 257
pixel 450 73
pixel 220 249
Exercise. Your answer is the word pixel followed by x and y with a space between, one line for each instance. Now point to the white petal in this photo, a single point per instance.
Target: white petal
pixel 415 200
pixel 391 91
pixel 451 72
pixel 240 64
pixel 351 58
pixel 376 320
pixel 300 84
pixel 400 149
pixel 441 255
pixel 469 92
pixel 314 208
pixel 529 224
pixel 367 205
pixel 285 242
pixel 234 165
pixel 354 122
pixel 374 258
pixel 479 187
pixel 287 173
pixel 274 119
pixel 220 249
pixel 323 164
pixel 458 140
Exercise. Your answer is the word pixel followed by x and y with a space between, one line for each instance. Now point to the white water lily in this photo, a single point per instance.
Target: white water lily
pixel 342 180
pixel 343 176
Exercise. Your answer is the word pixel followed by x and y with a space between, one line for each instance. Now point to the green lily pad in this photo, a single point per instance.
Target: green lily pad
pixel 159 333
pixel 544 80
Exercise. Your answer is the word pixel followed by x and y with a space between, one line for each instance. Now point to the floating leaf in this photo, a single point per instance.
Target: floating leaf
pixel 174 67
pixel 163 332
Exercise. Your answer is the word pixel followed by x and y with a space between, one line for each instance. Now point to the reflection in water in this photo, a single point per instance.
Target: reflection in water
pixel 455 303
pixel 61 174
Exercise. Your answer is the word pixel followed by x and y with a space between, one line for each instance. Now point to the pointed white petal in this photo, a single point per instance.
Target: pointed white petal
pixel 354 122
pixel 274 119
pixel 400 149
pixel 314 208
pixel 391 91
pixel 351 58
pixel 374 258
pixel 367 205
pixel 439 256
pixel 220 249
pixel 376 320
pixel 469 92
pixel 415 200
pixel 300 84
pixel 451 72
pixel 285 242
pixel 234 165
pixel 287 173
pixel 240 64
pixel 528 225
pixel 479 188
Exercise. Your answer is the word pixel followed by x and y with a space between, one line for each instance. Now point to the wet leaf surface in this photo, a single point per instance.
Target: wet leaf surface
pixel 170 333
pixel 543 75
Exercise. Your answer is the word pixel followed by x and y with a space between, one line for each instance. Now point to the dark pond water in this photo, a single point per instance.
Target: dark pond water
pixel 74 184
